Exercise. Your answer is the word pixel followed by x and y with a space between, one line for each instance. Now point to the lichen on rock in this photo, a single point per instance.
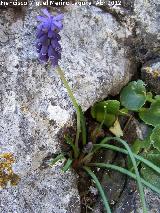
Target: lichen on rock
pixel 7 175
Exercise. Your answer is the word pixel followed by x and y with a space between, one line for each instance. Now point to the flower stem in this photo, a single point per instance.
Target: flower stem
pixel 74 102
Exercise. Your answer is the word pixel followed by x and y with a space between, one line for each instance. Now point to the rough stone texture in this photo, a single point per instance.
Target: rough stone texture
pixel 113 182
pixel 100 64
pixel 142 18
pixel 147 17
pixel 130 200
pixel 133 130
pixel 35 107
pixel 150 73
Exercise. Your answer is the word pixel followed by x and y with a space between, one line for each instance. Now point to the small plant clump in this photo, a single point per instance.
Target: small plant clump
pixel 133 98
pixel 7 176
pixel 143 155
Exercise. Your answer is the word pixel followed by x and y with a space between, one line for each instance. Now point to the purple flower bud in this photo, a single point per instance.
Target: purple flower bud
pixel 43 58
pixel 44 50
pixel 47 44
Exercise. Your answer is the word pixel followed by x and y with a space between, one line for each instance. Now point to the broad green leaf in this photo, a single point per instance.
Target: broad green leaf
pixel 155 137
pixel 109 120
pixel 149 97
pixel 151 115
pixel 133 96
pixel 154 157
pixel 106 111
pixel 112 106
pixel 150 176
pixel 157 97
pixel 147 173
pixel 138 145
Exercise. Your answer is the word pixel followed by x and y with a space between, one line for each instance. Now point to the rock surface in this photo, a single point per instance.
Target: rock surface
pixel 142 18
pixel 150 73
pixel 130 200
pixel 35 108
pixel 147 19
pixel 99 64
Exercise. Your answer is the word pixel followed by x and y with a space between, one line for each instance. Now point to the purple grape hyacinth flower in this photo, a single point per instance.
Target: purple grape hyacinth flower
pixel 47 44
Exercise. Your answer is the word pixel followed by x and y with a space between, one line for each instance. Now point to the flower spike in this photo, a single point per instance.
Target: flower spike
pixel 48 37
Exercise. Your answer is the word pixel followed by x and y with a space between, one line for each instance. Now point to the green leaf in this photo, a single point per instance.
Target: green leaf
pixel 149 97
pixel 136 148
pixel 126 172
pixel 99 187
pixel 133 159
pixel 133 96
pixel 67 165
pixel 117 149
pixel 106 111
pixel 112 106
pixel 56 159
pixel 157 97
pixel 83 126
pixel 123 111
pixel 154 157
pixel 149 174
pixel 109 120
pixel 155 137
pixel 139 144
pixel 69 141
pixel 151 115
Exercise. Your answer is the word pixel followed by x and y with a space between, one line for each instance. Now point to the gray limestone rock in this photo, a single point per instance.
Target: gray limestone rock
pixel 35 108
pixel 130 200
pixel 95 54
pixel 150 73
pixel 142 18
pixel 146 13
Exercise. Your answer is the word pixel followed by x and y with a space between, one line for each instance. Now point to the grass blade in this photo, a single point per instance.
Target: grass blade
pixel 99 187
pixel 83 126
pixel 138 157
pixel 69 141
pixel 135 168
pixel 67 165
pixel 126 172
pixel 59 157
